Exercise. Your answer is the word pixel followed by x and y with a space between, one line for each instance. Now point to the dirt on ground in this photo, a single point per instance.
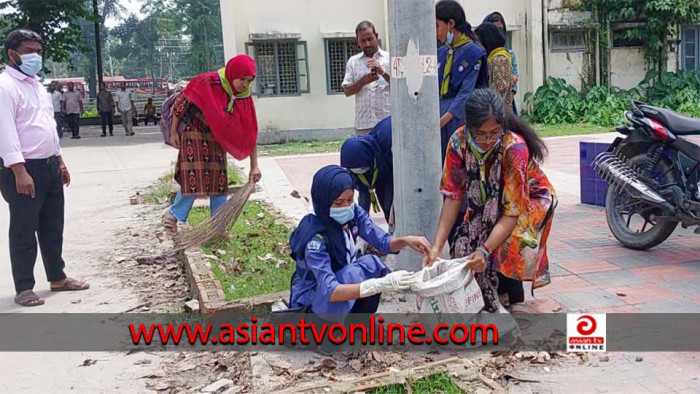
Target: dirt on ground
pixel 159 279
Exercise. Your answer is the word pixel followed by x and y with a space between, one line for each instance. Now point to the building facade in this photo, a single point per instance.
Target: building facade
pixel 301 48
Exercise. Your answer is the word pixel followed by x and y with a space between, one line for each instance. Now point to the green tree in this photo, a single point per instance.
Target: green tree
pixel 57 21
pixel 201 20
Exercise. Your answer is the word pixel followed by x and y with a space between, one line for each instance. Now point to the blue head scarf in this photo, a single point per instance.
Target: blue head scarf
pixel 328 184
pixel 366 150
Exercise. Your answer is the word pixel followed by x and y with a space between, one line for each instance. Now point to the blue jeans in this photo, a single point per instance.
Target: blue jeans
pixel 183 205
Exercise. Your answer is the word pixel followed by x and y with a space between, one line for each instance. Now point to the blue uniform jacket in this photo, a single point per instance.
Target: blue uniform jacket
pixel 314 281
pixel 469 71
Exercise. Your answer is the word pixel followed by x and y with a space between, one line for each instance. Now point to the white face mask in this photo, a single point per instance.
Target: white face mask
pixel 31 63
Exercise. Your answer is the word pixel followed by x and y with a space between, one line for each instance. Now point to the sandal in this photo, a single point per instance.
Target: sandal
pixel 28 298
pixel 170 222
pixel 71 285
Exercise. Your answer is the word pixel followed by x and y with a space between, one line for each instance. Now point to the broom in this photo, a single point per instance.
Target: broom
pixel 218 225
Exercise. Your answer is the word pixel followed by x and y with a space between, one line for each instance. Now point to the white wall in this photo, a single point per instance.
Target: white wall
pixel 316 110
pixel 567 65
pixel 627 67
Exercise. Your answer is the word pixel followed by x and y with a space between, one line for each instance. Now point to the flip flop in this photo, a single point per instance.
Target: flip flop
pixel 72 285
pixel 28 298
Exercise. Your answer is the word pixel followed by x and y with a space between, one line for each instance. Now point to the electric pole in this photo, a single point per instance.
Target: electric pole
pixel 98 43
pixel 415 122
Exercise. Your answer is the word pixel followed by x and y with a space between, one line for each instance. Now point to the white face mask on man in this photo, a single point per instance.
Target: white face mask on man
pixel 30 63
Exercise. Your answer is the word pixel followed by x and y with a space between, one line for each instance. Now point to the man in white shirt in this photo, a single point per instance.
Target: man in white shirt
pixel 55 90
pixel 366 78
pixel 32 173
pixel 126 107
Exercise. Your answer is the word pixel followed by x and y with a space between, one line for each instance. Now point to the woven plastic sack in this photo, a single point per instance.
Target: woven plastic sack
pixel 447 288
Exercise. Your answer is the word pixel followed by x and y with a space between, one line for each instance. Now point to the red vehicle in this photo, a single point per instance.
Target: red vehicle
pixel 139 85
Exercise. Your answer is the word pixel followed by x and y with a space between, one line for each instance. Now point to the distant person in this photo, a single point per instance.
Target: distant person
pixel 150 112
pixel 105 105
pixel 72 107
pixel 55 90
pixel 497 19
pixel 126 107
pixel 32 171
pixel 499 61
pixel 366 78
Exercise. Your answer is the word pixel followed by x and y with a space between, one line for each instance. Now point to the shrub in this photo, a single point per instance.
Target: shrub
pixel 555 102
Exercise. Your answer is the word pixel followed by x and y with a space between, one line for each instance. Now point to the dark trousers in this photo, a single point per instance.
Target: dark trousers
pixel 73 123
pixel 60 123
pixel 31 218
pixel 107 120
pixel 150 118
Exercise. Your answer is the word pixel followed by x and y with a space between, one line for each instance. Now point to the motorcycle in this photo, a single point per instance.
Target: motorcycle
pixel 654 176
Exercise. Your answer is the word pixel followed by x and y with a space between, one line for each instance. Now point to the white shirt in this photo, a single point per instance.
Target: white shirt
pixel 124 99
pixel 373 101
pixel 56 99
pixel 27 126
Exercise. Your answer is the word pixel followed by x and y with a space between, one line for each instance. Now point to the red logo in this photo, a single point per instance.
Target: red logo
pixel 586 325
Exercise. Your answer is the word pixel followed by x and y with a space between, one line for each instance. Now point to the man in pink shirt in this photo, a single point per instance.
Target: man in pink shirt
pixel 32 172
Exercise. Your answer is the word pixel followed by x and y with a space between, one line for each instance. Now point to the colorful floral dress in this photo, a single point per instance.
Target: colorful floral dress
pixel 518 188
pixel 201 164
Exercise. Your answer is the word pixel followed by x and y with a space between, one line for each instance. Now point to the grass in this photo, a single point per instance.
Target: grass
pixel 256 260
pixel 299 148
pixel 159 191
pixel 311 147
pixel 439 383
pixel 561 130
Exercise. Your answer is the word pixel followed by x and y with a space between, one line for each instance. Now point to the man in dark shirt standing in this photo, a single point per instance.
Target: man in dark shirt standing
pixel 105 105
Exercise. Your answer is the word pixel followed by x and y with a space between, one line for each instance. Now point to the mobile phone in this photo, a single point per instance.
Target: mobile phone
pixel 374 71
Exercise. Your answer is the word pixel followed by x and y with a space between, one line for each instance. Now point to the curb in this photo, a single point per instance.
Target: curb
pixel 208 291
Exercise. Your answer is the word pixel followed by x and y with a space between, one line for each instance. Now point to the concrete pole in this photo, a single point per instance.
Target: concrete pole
pixel 415 122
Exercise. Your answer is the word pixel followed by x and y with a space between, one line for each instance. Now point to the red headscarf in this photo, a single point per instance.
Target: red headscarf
pixel 236 131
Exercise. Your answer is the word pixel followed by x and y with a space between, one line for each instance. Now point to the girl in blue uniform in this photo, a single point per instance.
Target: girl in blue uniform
pixel 462 68
pixel 329 278
pixel 369 159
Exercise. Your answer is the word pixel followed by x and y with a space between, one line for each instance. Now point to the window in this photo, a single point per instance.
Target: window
pixel 626 38
pixel 282 67
pixel 690 45
pixel 568 41
pixel 338 51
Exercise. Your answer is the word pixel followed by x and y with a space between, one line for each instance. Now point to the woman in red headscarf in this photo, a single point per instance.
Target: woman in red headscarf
pixel 215 114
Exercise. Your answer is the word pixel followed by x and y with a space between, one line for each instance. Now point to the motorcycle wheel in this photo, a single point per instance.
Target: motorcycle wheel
pixel 631 220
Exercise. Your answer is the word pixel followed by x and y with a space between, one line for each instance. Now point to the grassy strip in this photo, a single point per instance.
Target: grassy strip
pixel 439 383
pixel 562 130
pixel 256 259
pixel 299 148
pixel 311 147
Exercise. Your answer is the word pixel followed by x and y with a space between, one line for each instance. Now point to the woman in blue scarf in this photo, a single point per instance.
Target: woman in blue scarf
pixel 462 67
pixel 329 278
pixel 369 159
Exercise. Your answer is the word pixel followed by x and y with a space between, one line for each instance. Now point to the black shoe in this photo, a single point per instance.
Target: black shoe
pixel 132 133
pixel 111 134
pixel 103 135
pixel 77 137
pixel 73 137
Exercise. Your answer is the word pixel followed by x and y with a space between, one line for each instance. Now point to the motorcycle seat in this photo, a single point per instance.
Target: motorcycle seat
pixel 677 123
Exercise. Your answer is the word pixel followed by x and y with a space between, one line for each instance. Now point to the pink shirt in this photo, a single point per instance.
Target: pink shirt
pixel 27 126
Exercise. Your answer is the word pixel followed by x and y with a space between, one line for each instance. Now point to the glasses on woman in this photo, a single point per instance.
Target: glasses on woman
pixel 485 137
